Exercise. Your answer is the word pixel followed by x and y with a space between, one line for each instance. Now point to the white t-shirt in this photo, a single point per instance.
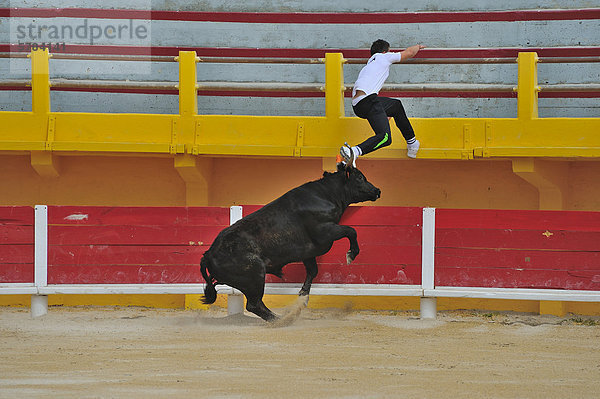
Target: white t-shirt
pixel 373 75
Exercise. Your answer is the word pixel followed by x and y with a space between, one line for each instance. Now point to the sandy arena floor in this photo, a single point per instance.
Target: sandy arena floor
pixel 147 353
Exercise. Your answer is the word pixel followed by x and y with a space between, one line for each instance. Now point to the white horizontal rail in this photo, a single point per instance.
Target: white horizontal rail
pixel 514 293
pixel 346 289
pixel 121 289
pixel 18 289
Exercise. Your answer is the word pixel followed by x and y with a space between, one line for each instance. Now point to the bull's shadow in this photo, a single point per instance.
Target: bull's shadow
pixel 296 227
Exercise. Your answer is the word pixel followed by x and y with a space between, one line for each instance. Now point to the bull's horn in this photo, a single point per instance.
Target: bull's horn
pixel 350 162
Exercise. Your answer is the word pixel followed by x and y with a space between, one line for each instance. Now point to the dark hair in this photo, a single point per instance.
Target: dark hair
pixel 379 46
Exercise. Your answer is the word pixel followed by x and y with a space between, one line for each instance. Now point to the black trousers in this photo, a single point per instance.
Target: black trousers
pixel 376 110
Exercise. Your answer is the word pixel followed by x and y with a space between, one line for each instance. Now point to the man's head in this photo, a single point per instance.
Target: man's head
pixel 379 46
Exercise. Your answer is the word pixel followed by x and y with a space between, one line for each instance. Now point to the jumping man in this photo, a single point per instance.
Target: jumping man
pixel 368 105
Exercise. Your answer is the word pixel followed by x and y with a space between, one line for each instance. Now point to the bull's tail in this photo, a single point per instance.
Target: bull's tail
pixel 210 293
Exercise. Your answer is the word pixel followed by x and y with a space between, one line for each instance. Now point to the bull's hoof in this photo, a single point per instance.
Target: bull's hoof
pixel 349 257
pixel 291 314
pixel 272 319
pixel 303 299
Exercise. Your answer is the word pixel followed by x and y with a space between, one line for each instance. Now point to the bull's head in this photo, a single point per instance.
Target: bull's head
pixel 359 189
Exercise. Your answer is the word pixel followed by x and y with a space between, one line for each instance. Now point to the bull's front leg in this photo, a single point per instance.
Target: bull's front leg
pixel 350 234
pixel 333 232
pixel 311 272
pixel 354 249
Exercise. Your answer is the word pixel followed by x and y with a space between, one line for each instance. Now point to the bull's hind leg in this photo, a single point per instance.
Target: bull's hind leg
pixel 254 303
pixel 311 272
pixel 253 287
pixel 250 280
pixel 257 307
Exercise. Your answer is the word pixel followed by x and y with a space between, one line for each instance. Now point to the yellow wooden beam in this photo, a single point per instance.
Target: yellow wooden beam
pixel 196 172
pixel 280 136
pixel 550 178
pixel 224 135
pixel 45 164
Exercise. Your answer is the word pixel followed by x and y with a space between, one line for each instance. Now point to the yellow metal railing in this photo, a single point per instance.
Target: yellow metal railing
pixel 42 132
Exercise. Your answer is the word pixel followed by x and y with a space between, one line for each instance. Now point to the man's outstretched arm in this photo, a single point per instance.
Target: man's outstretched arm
pixel 411 52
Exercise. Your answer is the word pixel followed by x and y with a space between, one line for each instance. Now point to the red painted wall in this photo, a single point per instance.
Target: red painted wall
pixel 518 249
pixel 16 244
pixel 158 245
pixel 133 245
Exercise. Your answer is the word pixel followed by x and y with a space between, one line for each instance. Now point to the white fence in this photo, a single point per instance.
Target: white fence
pixel 427 290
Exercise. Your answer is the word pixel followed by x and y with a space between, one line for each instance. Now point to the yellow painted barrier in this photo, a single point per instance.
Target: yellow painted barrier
pixel 281 136
pixel 191 159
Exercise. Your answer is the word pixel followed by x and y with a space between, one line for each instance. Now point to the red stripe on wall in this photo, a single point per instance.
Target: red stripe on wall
pixel 337 273
pixel 570 94
pixel 107 216
pixel 131 235
pixel 511 52
pixel 499 258
pixel 517 219
pixel 17 272
pixel 296 94
pixel 308 17
pixel 549 239
pixel 516 278
pixel 127 254
pixel 128 274
pixel 301 94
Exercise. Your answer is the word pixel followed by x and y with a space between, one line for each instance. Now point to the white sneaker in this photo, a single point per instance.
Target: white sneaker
pixel 412 149
pixel 349 154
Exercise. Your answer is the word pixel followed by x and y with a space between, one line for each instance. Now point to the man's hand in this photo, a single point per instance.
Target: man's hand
pixel 411 51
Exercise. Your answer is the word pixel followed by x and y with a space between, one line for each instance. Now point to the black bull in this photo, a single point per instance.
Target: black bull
pixel 298 226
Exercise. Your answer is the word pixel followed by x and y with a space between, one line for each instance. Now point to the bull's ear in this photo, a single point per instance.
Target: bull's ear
pixel 340 166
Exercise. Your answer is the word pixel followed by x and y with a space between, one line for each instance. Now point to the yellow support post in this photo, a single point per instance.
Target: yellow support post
pixel 188 95
pixel 44 162
pixel 528 88
pixel 334 97
pixel 40 82
pixel 334 85
pixel 194 172
pixel 188 100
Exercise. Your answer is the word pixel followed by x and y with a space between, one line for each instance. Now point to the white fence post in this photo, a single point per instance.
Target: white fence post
pixel 39 303
pixel 428 304
pixel 235 301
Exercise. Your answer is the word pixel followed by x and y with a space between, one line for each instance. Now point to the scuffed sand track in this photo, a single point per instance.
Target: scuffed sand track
pixel 144 353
